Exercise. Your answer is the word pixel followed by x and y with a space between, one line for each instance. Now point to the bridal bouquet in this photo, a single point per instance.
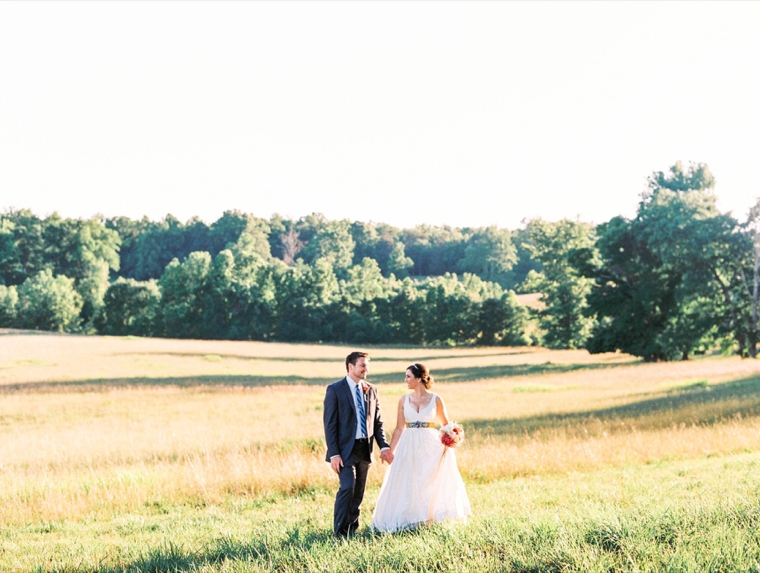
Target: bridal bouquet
pixel 452 435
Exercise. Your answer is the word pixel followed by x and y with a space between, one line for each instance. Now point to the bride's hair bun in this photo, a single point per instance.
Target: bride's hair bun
pixel 421 371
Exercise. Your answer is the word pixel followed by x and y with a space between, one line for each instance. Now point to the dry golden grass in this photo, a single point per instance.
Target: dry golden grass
pixel 94 425
pixel 531 300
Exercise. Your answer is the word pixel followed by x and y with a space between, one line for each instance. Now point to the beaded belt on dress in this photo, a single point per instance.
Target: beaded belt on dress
pixel 419 424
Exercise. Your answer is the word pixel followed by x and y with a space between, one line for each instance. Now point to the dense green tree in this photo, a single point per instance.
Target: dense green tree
pixel 305 293
pixel 238 298
pixel 667 281
pixel 130 307
pixel 409 319
pixel 434 250
pixel 23 246
pixel 86 251
pixel 308 227
pixel 515 277
pixel 8 306
pixel 365 281
pixel 333 244
pixel 563 289
pixel 633 296
pixel 366 239
pixel 503 321
pixel 46 302
pixel 449 309
pixel 130 232
pixel 371 321
pixel 83 250
pixel 379 242
pixel 226 231
pixel 696 177
pixel 182 296
pixel 398 263
pixel 156 244
pixel 489 254
pixel 11 269
pixel 253 240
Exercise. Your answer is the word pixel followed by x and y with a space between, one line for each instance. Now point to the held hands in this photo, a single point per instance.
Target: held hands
pixel 336 463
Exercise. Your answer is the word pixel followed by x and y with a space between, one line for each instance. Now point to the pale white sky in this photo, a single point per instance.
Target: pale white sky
pixel 465 114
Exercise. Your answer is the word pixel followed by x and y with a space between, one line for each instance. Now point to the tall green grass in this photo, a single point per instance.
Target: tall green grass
pixel 692 515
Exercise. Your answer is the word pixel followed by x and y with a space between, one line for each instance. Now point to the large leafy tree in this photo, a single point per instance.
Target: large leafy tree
pixel 489 254
pixel 129 307
pixel 182 296
pixel 22 246
pixel 563 288
pixel 398 263
pixel 666 282
pixel 305 294
pixel 149 246
pixel 333 244
pixel 365 281
pixel 434 250
pixel 238 298
pixel 8 306
pixel 503 321
pixel 47 302
pixel 633 297
pixel 83 250
pixel 86 251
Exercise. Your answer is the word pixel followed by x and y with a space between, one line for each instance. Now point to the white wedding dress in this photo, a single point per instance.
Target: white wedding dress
pixel 423 484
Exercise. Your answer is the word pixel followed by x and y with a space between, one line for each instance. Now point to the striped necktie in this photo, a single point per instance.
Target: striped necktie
pixel 362 415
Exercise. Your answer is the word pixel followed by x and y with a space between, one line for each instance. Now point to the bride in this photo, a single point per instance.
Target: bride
pixel 423 484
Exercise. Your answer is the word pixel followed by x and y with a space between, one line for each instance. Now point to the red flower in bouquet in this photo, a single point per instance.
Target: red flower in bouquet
pixel 452 434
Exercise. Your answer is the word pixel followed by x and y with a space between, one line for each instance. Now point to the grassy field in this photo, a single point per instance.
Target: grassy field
pixel 127 454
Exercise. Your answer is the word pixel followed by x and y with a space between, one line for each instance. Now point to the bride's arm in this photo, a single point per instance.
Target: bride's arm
pixel 440 411
pixel 400 425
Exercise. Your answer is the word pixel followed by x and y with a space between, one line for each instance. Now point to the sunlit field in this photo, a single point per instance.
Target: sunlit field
pixel 128 454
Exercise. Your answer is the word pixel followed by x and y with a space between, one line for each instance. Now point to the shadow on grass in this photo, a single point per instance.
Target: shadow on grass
pixel 495 371
pixel 698 404
pixel 211 381
pixel 332 360
pixel 261 551
pixel 206 382
pixel 18 332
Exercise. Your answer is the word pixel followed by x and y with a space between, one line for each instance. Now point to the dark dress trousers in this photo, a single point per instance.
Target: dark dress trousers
pixel 340 434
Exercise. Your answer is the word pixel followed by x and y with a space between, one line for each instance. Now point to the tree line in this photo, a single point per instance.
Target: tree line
pixel 677 279
pixel 248 278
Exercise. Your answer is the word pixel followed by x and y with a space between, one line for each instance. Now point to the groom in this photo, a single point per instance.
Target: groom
pixel 352 420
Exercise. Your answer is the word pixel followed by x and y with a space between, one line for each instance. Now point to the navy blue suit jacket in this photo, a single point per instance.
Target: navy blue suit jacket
pixel 339 419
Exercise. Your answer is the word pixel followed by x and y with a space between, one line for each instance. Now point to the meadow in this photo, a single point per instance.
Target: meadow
pixel 130 454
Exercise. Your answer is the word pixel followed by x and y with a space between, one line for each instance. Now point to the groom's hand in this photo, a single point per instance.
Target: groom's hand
pixel 386 456
pixel 336 463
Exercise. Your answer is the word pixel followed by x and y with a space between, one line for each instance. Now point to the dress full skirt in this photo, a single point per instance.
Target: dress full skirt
pixel 423 484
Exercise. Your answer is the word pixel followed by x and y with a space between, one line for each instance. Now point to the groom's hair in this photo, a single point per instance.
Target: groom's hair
pixel 353 357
